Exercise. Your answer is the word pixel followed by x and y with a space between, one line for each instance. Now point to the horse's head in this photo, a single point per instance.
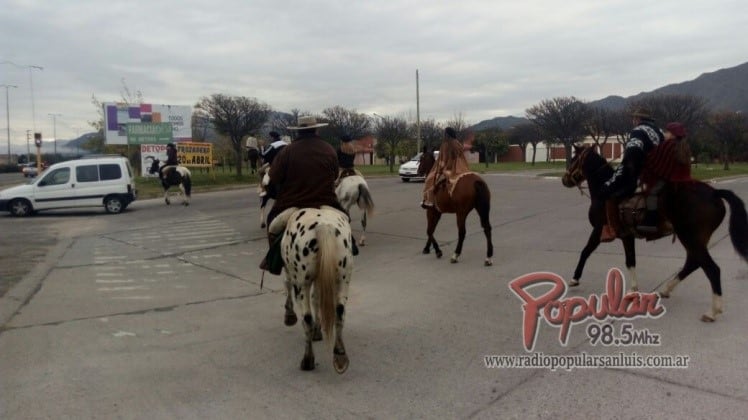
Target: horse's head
pixel 574 175
pixel 154 166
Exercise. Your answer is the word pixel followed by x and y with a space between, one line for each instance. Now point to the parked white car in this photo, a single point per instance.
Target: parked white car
pixel 95 181
pixel 409 170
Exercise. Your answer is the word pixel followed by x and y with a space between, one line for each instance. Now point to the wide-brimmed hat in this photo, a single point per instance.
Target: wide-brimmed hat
pixel 307 122
pixel 642 113
pixel 677 129
pixel 275 135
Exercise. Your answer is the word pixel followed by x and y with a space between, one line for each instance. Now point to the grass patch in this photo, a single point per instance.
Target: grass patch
pixel 223 179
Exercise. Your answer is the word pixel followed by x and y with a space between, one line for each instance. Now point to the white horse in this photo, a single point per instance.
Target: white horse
pixel 352 190
pixel 174 175
pixel 316 250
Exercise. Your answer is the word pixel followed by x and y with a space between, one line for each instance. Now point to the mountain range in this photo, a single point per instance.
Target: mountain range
pixel 724 89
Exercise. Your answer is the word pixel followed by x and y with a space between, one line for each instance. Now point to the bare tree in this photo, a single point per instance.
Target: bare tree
pixel 460 125
pixel 563 119
pixel 235 117
pixel 432 133
pixel 390 131
pixel 730 130
pixel 280 122
pixel 346 122
pixel 620 125
pixel 689 110
pixel 601 126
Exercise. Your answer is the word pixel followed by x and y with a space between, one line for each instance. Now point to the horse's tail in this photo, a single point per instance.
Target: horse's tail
pixel 326 282
pixel 482 201
pixel 738 222
pixel 187 182
pixel 365 202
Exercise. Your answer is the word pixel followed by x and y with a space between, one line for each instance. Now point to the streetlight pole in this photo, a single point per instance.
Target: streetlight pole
pixel 7 114
pixel 54 130
pixel 418 116
pixel 28 147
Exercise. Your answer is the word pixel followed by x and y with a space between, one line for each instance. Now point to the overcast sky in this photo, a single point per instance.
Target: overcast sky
pixel 479 58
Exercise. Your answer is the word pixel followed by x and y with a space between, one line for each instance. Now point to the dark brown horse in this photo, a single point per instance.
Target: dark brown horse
pixel 470 192
pixel 694 209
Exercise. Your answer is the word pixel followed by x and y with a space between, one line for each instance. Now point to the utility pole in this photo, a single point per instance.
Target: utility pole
pixel 28 147
pixel 54 130
pixel 418 116
pixel 7 114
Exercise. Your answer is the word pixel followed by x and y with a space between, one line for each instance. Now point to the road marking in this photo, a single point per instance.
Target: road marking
pixel 122 288
pixel 124 334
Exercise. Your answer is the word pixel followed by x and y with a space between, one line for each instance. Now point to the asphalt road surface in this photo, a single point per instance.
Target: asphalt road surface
pixel 157 313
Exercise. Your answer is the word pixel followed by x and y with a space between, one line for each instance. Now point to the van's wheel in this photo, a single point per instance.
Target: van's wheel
pixel 406 179
pixel 113 205
pixel 20 207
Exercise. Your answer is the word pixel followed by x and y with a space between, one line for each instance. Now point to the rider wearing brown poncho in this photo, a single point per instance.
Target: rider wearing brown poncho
pixel 450 163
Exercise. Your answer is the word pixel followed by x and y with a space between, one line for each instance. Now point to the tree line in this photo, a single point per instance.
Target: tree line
pixel 562 121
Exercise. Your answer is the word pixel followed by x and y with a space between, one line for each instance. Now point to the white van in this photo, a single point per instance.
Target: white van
pixel 90 182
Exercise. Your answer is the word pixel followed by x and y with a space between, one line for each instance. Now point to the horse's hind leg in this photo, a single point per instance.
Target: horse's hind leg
pixel 362 241
pixel 432 217
pixel 166 197
pixel 713 274
pixel 185 197
pixel 629 248
pixel 592 244
pixel 688 267
pixel 307 363
pixel 461 231
pixel 290 317
pixel 340 358
pixel 485 223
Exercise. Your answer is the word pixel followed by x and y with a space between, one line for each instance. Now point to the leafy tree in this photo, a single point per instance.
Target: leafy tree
pixel 492 143
pixel 729 131
pixel 524 134
pixel 563 119
pixel 390 132
pixel 235 117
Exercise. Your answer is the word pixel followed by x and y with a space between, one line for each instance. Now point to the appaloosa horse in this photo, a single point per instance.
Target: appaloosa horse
pixel 173 176
pixel 469 191
pixel 353 189
pixel 316 250
pixel 694 209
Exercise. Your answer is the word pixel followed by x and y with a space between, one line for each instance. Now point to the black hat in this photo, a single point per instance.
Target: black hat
pixel 346 138
pixel 171 145
pixel 274 135
pixel 450 132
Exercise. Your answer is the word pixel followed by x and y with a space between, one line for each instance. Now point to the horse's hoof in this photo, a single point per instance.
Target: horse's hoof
pixel 488 262
pixel 262 226
pixel 290 319
pixel 426 251
pixel 634 289
pixel 362 243
pixel 707 318
pixel 307 363
pixel 438 254
pixel 453 259
pixel 664 295
pixel 340 361
pixel 573 283
pixel 185 204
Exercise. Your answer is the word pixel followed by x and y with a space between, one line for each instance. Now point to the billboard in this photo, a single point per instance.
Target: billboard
pixel 145 133
pixel 118 115
pixel 192 155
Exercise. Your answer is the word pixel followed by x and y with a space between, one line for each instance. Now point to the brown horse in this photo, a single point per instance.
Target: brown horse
pixel 470 192
pixel 694 209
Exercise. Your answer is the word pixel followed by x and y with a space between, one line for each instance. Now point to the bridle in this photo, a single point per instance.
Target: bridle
pixel 575 173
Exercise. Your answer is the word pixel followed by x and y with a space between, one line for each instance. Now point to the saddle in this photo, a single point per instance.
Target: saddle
pixel 448 180
pixel 629 213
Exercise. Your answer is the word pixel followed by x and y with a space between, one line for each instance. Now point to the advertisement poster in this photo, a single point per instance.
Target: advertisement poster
pixel 118 115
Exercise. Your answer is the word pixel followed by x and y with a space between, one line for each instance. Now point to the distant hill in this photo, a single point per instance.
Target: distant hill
pixel 503 123
pixel 724 90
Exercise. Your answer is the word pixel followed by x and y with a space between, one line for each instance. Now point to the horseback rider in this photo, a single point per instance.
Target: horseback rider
pixel 303 174
pixel 451 162
pixel 346 156
pixel 669 162
pixel 268 155
pixel 171 162
pixel 643 138
pixel 426 162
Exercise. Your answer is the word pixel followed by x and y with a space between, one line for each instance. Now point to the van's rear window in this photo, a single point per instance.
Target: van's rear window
pixel 110 171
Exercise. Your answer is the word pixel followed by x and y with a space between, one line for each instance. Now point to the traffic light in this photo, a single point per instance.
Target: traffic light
pixel 38 139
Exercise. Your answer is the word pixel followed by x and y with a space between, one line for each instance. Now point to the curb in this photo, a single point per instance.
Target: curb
pixel 21 293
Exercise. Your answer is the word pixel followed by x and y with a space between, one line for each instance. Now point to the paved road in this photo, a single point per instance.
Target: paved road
pixel 157 313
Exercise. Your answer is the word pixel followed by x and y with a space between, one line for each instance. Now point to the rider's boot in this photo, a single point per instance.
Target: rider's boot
pixel 273 257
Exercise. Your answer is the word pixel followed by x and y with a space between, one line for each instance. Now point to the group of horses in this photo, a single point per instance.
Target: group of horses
pixel 317 243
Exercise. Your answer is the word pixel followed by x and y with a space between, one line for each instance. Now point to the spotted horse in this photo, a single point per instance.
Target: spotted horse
pixel 316 250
